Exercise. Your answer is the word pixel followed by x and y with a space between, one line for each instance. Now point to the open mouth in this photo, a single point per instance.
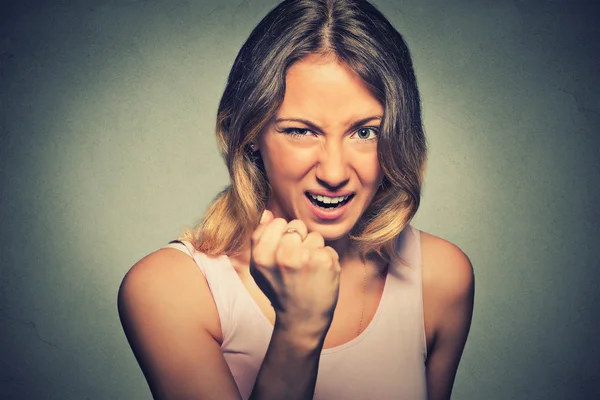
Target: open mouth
pixel 328 203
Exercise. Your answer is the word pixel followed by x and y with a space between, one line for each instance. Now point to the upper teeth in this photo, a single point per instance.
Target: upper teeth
pixel 329 200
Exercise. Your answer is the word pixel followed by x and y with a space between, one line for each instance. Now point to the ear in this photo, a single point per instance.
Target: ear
pixel 253 147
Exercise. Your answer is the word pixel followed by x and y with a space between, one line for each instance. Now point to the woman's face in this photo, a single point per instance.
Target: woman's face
pixel 322 141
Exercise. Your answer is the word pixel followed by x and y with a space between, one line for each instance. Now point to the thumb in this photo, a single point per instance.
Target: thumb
pixel 267 216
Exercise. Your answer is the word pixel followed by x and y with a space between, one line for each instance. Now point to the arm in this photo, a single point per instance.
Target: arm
pixel 289 370
pixel 171 321
pixel 449 287
pixel 168 316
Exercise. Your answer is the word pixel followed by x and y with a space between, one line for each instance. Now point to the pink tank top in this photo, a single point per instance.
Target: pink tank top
pixel 386 361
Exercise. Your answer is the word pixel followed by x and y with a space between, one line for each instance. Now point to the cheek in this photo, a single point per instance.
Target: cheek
pixel 289 164
pixel 378 171
pixel 369 169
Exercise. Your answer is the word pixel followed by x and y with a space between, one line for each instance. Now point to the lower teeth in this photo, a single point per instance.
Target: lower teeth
pixel 328 207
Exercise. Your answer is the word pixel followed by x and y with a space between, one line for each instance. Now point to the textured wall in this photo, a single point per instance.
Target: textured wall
pixel 107 151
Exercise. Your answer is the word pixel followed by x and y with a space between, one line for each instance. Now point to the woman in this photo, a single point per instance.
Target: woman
pixel 305 277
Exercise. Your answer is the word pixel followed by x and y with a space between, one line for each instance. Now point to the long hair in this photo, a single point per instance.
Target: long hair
pixel 357 34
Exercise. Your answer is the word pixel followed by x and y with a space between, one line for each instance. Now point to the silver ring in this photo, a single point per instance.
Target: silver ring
pixel 293 230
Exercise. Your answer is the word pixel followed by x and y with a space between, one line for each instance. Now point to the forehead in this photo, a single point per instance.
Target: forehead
pixel 327 92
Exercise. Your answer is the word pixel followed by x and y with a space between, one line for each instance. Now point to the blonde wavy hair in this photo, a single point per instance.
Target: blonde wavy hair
pixel 357 34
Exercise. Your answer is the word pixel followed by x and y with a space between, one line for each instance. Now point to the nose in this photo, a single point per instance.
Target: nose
pixel 332 169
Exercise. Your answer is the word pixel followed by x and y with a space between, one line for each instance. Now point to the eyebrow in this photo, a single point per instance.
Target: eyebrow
pixel 315 127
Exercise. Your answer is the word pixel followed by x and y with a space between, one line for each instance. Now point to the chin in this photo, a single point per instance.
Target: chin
pixel 330 233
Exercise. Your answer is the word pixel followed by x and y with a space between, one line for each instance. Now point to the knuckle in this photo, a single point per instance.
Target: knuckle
pixel 318 256
pixel 315 239
pixel 286 257
pixel 332 255
pixel 305 257
pixel 281 256
pixel 259 261
pixel 318 236
pixel 279 221
pixel 299 223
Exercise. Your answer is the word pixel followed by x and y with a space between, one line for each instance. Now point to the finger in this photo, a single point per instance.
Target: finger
pixel 314 240
pixel 297 236
pixel 265 245
pixel 326 257
pixel 261 280
pixel 266 218
pixel 289 251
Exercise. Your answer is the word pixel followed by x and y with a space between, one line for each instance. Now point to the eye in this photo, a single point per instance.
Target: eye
pixel 297 132
pixel 365 133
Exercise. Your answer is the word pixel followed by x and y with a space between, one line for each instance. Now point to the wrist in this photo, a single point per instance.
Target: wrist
pixel 302 337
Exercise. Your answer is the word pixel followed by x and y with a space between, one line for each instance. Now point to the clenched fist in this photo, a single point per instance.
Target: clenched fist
pixel 297 272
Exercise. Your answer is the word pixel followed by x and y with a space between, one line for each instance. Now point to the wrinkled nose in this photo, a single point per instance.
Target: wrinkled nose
pixel 333 170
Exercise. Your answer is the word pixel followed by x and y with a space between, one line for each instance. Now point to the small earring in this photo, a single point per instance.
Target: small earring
pixel 253 153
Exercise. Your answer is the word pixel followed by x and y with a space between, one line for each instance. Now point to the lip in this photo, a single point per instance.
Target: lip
pixel 334 213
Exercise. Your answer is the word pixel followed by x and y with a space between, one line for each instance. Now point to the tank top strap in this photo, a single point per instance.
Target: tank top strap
pixel 408 247
pixel 219 275
pixel 407 278
pixel 246 331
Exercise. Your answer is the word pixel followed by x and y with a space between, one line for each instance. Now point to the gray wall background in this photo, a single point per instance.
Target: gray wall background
pixel 107 151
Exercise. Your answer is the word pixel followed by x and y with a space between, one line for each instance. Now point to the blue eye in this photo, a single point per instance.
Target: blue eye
pixel 365 131
pixel 364 134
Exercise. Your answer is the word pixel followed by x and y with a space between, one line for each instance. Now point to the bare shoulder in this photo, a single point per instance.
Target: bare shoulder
pixel 168 280
pixel 448 295
pixel 162 274
pixel 447 270
pixel 171 322
pixel 159 270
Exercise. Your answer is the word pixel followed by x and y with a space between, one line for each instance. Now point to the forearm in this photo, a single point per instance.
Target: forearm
pixel 289 369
